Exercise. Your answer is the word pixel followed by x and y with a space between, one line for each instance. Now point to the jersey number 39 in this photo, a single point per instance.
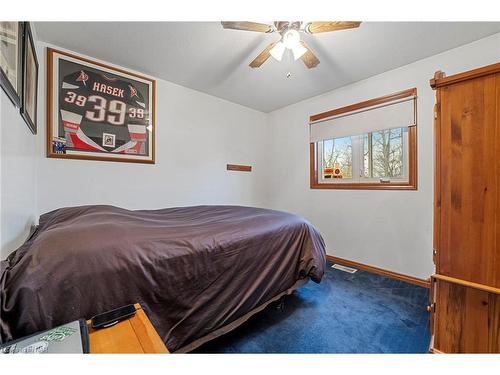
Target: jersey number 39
pixel 112 112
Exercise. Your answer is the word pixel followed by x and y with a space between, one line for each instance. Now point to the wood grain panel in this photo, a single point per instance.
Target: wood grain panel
pixel 495 253
pixel 461 324
pixel 466 207
pixel 309 58
pixel 469 166
pixel 119 339
pixel 437 179
pixel 147 335
pixel 494 323
pixel 239 168
pixel 134 335
pixel 440 80
pixel 262 57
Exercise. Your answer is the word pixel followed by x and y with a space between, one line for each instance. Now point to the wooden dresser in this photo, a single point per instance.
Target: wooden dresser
pixel 465 292
pixel 135 335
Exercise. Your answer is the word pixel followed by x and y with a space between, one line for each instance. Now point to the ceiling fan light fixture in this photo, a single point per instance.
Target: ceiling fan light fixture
pixel 298 50
pixel 278 50
pixel 291 38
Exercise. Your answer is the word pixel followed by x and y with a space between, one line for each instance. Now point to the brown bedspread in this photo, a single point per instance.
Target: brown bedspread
pixel 193 269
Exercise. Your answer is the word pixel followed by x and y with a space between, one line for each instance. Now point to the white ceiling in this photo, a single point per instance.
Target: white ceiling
pixel 205 57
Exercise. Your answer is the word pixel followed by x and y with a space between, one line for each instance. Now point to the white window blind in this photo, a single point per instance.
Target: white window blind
pixel 390 115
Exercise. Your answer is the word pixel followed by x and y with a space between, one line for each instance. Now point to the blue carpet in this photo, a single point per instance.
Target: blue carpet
pixel 346 313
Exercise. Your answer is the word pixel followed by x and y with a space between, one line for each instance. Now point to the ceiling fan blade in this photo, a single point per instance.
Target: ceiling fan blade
pixel 247 26
pixel 263 56
pixel 309 58
pixel 326 26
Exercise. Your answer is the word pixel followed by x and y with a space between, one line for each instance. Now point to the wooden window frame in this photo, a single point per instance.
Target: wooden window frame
pixel 411 184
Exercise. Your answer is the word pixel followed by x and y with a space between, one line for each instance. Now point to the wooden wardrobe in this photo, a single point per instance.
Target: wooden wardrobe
pixel 465 291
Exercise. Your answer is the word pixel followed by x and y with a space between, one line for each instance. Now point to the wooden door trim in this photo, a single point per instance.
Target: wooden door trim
pixel 456 78
pixel 437 175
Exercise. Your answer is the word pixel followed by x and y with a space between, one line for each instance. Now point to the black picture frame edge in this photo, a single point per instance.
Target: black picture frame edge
pixel 7 87
pixel 28 37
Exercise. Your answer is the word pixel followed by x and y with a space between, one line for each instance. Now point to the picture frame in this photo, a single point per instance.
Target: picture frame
pixel 29 103
pixel 11 50
pixel 97 111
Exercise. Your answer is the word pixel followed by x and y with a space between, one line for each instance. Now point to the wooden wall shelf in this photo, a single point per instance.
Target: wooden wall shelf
pixel 239 168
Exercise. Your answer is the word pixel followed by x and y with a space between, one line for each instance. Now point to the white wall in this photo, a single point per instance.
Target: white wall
pixel 196 136
pixel 388 229
pixel 18 178
pixel 18 156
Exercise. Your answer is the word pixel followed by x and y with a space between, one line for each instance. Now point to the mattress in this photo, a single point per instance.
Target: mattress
pixel 196 271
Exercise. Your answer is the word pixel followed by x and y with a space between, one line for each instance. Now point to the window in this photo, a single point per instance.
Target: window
pixel 369 145
pixel 337 155
pixel 385 154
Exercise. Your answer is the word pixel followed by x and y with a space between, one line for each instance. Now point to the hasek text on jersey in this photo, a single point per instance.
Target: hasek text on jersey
pixel 110 90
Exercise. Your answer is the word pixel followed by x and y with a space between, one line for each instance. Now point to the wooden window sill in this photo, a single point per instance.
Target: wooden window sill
pixel 364 186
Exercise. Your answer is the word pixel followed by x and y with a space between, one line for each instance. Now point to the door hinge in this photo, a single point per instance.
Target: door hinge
pixel 436 110
pixel 431 308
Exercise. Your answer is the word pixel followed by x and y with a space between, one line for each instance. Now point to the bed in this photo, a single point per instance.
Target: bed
pixel 197 271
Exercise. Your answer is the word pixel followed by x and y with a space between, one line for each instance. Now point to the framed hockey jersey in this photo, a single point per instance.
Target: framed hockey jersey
pixel 98 112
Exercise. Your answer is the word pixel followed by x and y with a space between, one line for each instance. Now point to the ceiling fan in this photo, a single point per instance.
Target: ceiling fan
pixel 290 37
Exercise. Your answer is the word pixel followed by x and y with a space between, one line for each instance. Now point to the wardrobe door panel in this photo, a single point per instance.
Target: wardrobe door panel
pixel 469 172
